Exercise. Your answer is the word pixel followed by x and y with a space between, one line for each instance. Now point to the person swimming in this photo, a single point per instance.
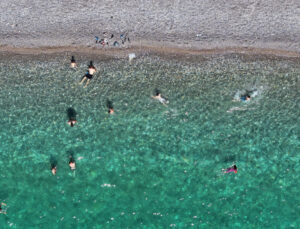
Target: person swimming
pixel 110 107
pixel 245 97
pixel 53 169
pixel 160 98
pixel 71 113
pixel 249 94
pixel 231 169
pixel 89 75
pixel 72 122
pixel 72 163
pixel 73 62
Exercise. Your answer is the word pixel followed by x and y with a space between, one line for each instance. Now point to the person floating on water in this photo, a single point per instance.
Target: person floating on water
pixel 72 163
pixel 89 75
pixel 73 62
pixel 110 107
pixel 231 169
pixel 1 210
pixel 159 97
pixel 71 113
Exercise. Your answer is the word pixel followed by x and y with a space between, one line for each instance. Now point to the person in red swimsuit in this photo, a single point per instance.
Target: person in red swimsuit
pixel 231 169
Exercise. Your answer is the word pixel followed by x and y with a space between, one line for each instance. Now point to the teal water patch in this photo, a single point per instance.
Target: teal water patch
pixel 150 165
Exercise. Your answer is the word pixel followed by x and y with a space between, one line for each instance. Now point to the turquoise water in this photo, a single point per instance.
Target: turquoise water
pixel 149 165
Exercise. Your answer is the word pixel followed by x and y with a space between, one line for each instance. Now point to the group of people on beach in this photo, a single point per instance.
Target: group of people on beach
pixel 108 40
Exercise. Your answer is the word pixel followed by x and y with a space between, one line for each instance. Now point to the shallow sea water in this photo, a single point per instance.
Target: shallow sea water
pixel 149 165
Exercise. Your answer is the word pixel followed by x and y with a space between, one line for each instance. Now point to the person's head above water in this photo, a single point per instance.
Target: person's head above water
pixel 72 163
pixel 72 122
pixel 110 107
pixel 73 62
pixel 111 111
pixel 53 170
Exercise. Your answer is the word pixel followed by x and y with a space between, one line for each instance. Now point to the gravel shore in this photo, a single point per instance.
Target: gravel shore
pixel 190 24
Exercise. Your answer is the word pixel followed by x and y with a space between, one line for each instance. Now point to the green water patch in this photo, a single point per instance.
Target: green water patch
pixel 150 165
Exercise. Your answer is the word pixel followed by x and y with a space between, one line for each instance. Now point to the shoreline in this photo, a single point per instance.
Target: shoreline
pixel 122 52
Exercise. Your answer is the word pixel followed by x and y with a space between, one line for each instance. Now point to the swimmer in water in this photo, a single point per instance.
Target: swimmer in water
pixel 72 122
pixel 231 169
pixel 246 97
pixel 53 164
pixel 110 107
pixel 73 62
pixel 160 98
pixel 72 117
pixel 72 163
pixel 1 210
pixel 53 169
pixel 249 95
pixel 89 75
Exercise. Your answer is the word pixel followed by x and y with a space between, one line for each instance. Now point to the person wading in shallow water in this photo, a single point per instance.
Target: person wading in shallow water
pixel 89 75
